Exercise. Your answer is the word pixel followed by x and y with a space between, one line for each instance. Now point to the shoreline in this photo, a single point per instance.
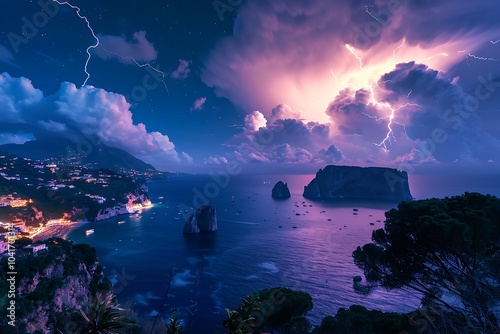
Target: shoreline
pixel 62 231
pixel 58 231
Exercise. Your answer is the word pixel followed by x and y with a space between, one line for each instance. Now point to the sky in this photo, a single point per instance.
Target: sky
pixel 269 84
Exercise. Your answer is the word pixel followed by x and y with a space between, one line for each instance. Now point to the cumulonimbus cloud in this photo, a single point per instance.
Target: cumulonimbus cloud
pixel 74 113
pixel 417 113
pixel 296 52
pixel 281 140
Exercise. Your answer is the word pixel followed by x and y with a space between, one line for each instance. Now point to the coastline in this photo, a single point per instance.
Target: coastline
pixel 62 230
pixel 58 231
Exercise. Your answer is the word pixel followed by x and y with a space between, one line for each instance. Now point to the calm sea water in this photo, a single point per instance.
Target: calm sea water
pixel 261 243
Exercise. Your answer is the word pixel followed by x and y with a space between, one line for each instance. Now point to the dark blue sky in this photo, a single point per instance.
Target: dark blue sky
pixel 178 30
pixel 394 83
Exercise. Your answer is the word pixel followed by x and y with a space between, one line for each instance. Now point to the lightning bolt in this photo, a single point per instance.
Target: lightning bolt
pixel 351 50
pixel 395 51
pixel 480 58
pixel 376 19
pixel 390 131
pixel 443 54
pixel 83 17
pixel 98 44
pixel 385 105
pixel 335 77
pixel 139 65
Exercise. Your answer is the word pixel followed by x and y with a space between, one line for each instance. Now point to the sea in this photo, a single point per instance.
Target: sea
pixel 261 243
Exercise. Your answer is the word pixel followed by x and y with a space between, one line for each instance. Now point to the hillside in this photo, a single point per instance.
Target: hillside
pixel 67 152
pixel 54 191
pixel 52 288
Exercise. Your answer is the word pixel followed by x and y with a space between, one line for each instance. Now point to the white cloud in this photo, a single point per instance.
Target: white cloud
pixel 198 103
pixel 255 120
pixel 285 140
pixel 78 112
pixel 216 160
pixel 283 111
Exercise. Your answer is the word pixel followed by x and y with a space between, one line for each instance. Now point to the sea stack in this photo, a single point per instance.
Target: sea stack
pixel 280 190
pixel 203 220
pixel 350 182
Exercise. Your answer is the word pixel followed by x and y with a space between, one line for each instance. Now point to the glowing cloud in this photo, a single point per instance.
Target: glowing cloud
pixel 305 53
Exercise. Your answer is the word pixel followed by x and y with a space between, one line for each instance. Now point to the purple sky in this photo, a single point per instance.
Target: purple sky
pixel 391 83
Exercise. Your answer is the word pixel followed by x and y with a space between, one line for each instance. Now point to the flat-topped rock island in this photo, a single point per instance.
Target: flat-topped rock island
pixel 352 182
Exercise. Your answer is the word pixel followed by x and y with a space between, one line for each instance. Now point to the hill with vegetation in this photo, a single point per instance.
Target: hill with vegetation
pixel 54 191
pixel 83 153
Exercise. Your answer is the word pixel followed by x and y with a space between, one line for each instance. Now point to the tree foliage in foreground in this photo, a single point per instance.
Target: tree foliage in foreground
pixel 268 310
pixel 105 317
pixel 441 248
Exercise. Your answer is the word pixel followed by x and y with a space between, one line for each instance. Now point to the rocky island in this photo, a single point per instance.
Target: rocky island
pixel 203 220
pixel 351 182
pixel 280 190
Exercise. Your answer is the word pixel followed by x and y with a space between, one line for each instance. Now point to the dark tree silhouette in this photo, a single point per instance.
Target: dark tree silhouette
pixel 441 248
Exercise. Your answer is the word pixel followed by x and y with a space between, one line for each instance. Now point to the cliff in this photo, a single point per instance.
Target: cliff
pixel 52 288
pixel 135 202
pixel 280 190
pixel 350 182
pixel 203 220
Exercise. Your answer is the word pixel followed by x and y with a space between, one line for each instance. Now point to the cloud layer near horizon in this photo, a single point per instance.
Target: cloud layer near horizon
pixel 77 112
pixel 413 115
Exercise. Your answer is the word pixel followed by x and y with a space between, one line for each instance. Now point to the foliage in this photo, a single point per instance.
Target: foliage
pixel 51 287
pixel 104 317
pixel 174 325
pixel 297 325
pixel 358 320
pixel 268 309
pixel 441 248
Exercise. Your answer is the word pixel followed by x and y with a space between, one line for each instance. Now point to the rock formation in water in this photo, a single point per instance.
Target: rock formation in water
pixel 280 190
pixel 348 182
pixel 203 220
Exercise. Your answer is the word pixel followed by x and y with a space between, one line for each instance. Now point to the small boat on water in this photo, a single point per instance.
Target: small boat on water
pixel 121 222
pixel 89 232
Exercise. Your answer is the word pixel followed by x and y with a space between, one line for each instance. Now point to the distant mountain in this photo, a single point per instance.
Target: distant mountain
pixel 68 152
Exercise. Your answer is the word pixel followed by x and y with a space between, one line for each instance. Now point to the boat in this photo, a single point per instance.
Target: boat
pixel 89 232
pixel 121 222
